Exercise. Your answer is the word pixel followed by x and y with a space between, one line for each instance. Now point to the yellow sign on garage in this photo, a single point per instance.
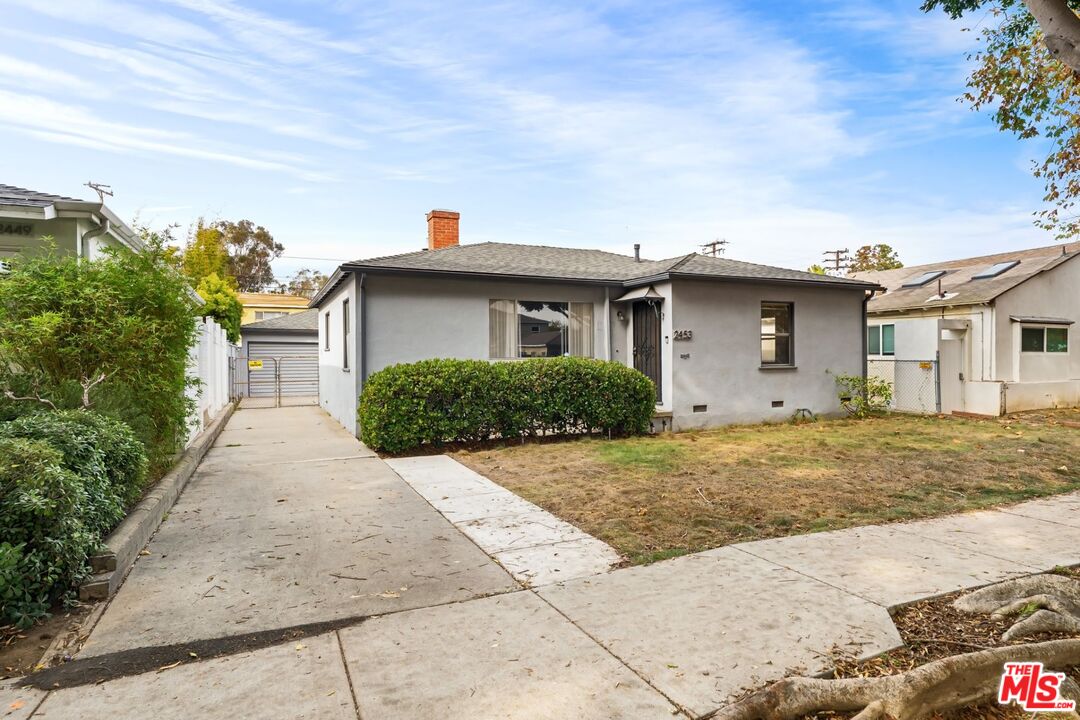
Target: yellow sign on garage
pixel 255 364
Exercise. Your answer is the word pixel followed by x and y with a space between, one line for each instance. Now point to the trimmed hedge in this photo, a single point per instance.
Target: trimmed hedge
pixel 66 479
pixel 433 402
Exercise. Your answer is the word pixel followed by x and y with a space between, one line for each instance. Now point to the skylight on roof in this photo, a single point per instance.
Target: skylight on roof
pixel 995 270
pixel 923 279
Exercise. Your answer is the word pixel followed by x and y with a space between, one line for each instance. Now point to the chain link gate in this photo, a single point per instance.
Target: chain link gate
pixel 916 384
pixel 268 377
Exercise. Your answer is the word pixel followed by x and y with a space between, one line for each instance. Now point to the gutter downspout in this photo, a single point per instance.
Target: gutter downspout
pixel 84 241
pixel 362 291
pixel 865 360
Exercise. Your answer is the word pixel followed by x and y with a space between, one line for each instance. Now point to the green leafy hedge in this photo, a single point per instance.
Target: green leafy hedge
pixel 433 402
pixel 66 479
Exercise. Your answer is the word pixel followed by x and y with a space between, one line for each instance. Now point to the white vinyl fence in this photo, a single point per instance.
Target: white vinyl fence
pixel 208 362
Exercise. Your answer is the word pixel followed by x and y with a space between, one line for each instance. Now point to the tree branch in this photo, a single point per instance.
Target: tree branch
pixel 37 398
pixel 1061 29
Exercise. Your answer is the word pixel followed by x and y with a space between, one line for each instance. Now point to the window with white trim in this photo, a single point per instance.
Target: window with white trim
pixel 881 339
pixel 533 328
pixel 345 334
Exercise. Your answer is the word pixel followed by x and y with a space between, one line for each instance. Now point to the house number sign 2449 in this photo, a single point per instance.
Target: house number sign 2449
pixel 682 334
pixel 15 229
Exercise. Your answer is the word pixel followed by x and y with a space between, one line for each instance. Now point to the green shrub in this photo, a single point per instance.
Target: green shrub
pixel 45 540
pixel 864 396
pixel 112 334
pixel 433 402
pixel 102 452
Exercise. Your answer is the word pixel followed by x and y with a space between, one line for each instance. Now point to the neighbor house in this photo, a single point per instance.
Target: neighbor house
pixel 76 227
pixel 723 341
pixel 288 348
pixel 266 306
pixel 999 325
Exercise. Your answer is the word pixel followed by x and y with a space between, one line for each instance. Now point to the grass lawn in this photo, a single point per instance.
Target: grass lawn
pixel 661 496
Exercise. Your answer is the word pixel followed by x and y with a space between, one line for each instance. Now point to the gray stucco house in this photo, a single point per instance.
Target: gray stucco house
pixel 724 341
pixel 1000 325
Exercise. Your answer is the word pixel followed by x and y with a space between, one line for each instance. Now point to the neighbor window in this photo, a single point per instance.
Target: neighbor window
pixel 533 328
pixel 1051 340
pixel 267 314
pixel 881 340
pixel 776 323
pixel 345 334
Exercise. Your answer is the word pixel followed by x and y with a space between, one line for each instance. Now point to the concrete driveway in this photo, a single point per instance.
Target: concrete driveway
pixel 290 521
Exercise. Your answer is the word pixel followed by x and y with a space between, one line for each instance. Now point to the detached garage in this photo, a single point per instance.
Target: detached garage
pixel 287 348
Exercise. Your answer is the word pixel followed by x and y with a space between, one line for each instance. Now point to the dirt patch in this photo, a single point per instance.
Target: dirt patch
pixel 660 496
pixel 21 651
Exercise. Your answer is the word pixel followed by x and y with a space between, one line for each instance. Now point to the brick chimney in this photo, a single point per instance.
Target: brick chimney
pixel 442 229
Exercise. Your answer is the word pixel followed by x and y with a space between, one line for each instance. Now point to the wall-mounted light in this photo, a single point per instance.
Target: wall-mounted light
pixel 621 315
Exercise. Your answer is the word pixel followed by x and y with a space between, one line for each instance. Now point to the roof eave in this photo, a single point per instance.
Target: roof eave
pixel 797 282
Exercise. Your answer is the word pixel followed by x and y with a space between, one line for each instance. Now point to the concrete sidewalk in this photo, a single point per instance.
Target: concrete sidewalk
pixel 299 576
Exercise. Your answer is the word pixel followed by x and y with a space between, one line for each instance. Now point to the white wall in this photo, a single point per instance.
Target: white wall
pixel 339 388
pixel 724 371
pixel 1055 294
pixel 208 362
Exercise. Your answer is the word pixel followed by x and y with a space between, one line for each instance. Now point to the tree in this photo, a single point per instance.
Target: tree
pixel 222 304
pixel 205 254
pixel 1032 89
pixel 875 257
pixel 816 269
pixel 251 249
pixel 111 334
pixel 1058 24
pixel 305 283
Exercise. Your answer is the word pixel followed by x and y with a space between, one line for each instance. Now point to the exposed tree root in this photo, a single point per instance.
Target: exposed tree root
pixel 1045 604
pixel 947 684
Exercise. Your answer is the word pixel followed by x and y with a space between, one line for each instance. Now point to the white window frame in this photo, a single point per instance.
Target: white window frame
pixel 880 332
pixel 574 315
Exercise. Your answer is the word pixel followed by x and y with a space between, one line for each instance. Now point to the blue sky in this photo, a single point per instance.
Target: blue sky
pixel 788 128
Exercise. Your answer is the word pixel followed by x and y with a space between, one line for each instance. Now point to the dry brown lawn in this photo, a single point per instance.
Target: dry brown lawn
pixel 661 496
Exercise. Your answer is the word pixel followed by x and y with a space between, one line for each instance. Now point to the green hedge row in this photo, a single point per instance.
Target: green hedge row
pixel 66 479
pixel 433 402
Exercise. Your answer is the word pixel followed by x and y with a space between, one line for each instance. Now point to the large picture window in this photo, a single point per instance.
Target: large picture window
pixel 531 328
pixel 776 326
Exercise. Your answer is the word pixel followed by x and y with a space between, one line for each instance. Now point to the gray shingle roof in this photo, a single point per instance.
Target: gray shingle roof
pixel 556 263
pixel 957 282
pixel 306 321
pixel 12 195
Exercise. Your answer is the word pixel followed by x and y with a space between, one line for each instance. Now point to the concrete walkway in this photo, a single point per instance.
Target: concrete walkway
pixel 299 576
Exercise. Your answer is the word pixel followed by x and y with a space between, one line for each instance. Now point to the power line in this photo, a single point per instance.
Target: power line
pixel 836 260
pixel 715 248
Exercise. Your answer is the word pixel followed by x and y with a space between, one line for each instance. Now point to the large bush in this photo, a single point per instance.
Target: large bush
pixel 433 402
pixel 45 540
pixel 65 480
pixel 112 334
pixel 103 452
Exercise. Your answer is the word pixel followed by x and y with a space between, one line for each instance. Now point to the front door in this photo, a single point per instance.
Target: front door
pixel 647 342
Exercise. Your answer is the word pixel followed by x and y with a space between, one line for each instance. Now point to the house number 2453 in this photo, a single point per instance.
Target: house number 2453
pixel 683 334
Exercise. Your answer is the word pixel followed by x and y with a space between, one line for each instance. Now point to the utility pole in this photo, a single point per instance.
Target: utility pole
pixel 715 248
pixel 836 260
pixel 101 189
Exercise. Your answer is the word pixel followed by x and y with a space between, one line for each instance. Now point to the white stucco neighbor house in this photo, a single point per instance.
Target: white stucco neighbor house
pixel 724 341
pixel 77 227
pixel 1001 326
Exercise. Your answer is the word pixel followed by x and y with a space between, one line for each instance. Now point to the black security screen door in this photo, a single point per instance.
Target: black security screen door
pixel 647 342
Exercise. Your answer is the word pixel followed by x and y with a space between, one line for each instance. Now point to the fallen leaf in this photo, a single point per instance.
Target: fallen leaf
pixel 16 705
pixel 299 647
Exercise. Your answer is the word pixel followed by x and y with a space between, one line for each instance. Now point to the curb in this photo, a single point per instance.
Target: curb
pixel 123 544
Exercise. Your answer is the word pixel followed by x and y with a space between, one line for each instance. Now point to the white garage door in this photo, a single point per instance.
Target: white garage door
pixel 297 364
